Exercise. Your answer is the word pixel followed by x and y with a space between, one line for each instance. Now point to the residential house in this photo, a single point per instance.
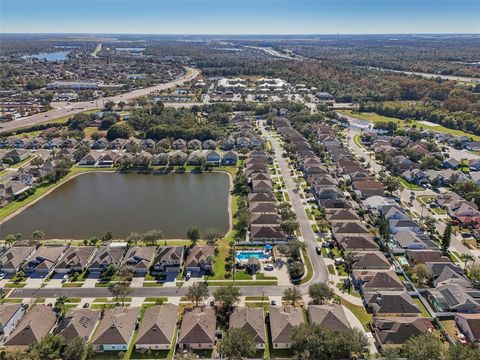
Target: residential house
pixel 194 144
pixel 78 323
pixel 75 259
pixel 453 297
pixel 157 329
pixel 408 239
pixel 179 144
pixel 90 159
pixel 37 322
pixel 14 257
pixel 106 255
pixel 230 158
pixel 169 259
pixel 397 226
pixel 331 317
pixel 200 260
pixel 396 330
pixel 465 212
pixel 267 233
pixel 115 330
pixel 177 158
pixel 376 280
pixel 283 320
pixel 252 321
pixel 415 176
pixel 469 325
pixel 43 260
pixel 198 329
pixel 390 303
pixel 370 260
pixel 357 243
pixel 425 256
pixel 17 155
pixel 139 258
pixel 213 157
pixel 10 316
pixel 451 163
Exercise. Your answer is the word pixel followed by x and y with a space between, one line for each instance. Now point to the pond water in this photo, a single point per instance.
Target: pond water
pixel 50 56
pixel 94 203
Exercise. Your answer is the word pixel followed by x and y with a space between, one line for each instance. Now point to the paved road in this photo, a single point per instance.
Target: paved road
pixel 321 271
pixel 77 107
pixel 432 76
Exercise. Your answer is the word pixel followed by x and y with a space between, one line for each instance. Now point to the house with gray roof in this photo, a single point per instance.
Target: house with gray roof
pixel 375 280
pixel 198 329
pixel 115 330
pixel 157 328
pixel 453 297
pixel 370 260
pixel 283 320
pixel 139 258
pixel 331 316
pixel 43 259
pixel 75 259
pixel 252 321
pixel 168 259
pixel 106 255
pixel 390 303
pixel 396 330
pixel 200 259
pixel 469 325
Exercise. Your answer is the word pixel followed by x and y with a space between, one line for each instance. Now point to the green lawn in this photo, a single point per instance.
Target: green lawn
pixel 308 265
pixel 408 185
pixel 374 118
pixel 242 283
pixel 360 312
pixel 421 307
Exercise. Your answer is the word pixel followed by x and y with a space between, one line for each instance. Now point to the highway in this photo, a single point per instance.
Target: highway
pixel 68 109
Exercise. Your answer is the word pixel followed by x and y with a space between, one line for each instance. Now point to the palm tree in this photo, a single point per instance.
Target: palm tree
pixel 292 294
pixel 197 292
pixel 38 235
pixel 10 239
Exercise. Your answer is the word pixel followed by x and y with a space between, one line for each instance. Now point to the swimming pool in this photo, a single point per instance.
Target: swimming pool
pixel 245 255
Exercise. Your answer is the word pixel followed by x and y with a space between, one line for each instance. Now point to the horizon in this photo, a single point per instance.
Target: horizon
pixel 240 17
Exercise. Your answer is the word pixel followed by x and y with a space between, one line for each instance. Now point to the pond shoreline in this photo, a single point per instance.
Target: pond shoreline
pixel 82 171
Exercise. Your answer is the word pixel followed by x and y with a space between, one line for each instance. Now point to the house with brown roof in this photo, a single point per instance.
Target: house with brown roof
pixel 14 257
pixel 267 233
pixel 469 325
pixel 106 255
pixel 139 258
pixel 198 329
pixel 200 259
pixel 283 319
pixel 75 259
pixel 390 303
pixel 36 323
pixel 331 316
pixel 78 323
pixel 169 259
pixel 370 260
pixel 252 321
pixel 157 329
pixel 374 280
pixel 115 329
pixel 261 197
pixel 397 330
pixel 10 316
pixel 265 219
pixel 343 215
pixel 425 256
pixel 43 259
pixel 349 228
pixel 368 188
pixel 357 243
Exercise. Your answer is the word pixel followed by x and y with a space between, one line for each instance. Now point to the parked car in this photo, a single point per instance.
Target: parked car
pixel 268 267
pixel 2 276
pixel 65 278
pixel 188 275
pixel 318 249
pixel 86 305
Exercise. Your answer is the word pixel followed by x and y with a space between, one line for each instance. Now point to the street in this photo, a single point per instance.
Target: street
pixel 77 107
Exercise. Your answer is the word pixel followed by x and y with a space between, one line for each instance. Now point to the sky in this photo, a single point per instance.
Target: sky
pixel 240 16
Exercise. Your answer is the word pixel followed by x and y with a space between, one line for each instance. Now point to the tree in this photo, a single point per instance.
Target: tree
pixel 37 161
pixel 77 349
pixel 292 294
pixel 193 234
pixel 430 225
pixel 349 259
pixel 120 290
pixel 60 305
pixel 227 296
pixel 315 342
pixel 296 270
pixel 212 236
pixel 38 235
pixel 151 237
pixel 122 131
pixel 319 292
pixel 290 226
pixel 237 344
pixel 197 292
pixel 446 238
pixel 461 351
pixel 423 347
pixel 10 239
pixel 47 349
pixel 422 273
pixel 109 105
pixel 391 184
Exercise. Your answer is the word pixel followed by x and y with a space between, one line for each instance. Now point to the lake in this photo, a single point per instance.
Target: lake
pixel 93 203
pixel 50 56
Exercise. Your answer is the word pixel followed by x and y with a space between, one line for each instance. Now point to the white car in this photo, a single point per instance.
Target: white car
pixel 189 274
pixel 2 276
pixel 65 278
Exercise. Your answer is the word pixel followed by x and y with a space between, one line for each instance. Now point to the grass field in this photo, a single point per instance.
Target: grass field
pixel 360 312
pixel 408 185
pixel 374 118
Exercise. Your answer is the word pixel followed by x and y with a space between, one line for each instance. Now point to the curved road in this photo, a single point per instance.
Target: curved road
pixel 78 107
